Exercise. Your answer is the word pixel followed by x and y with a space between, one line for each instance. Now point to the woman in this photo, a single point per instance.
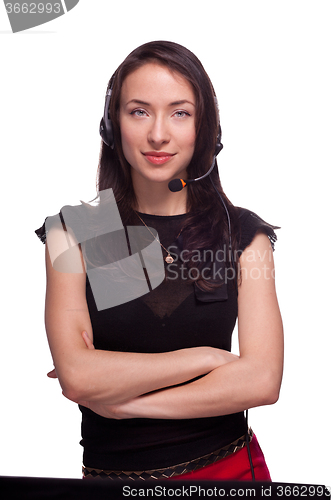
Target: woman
pixel 160 393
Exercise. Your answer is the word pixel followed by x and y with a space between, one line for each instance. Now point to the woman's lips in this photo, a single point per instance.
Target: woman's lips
pixel 158 157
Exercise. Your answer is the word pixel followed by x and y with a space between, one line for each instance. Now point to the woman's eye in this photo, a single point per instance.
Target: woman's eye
pixel 181 114
pixel 138 112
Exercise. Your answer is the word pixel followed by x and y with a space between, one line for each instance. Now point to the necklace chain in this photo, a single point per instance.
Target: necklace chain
pixel 168 259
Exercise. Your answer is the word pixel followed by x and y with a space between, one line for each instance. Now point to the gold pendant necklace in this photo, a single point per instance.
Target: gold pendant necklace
pixel 168 259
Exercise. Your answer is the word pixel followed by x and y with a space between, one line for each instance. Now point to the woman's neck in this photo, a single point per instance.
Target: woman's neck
pixel 159 200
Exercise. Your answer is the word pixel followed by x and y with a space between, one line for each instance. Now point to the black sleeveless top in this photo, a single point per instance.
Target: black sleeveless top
pixel 174 315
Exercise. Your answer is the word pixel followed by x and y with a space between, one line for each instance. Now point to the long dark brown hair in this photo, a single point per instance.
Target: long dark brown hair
pixel 206 224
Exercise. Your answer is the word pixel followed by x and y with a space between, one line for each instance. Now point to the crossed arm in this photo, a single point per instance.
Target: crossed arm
pixel 129 385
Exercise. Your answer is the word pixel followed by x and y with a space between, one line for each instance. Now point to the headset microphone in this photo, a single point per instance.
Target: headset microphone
pixel 178 184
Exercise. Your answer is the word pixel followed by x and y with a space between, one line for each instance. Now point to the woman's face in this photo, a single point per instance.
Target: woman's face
pixel 157 123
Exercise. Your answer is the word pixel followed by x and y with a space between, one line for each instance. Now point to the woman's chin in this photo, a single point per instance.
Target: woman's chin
pixel 157 178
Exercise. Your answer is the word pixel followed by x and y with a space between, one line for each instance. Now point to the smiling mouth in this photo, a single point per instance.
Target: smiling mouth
pixel 158 157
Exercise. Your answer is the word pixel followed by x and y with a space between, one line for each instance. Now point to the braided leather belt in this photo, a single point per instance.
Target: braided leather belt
pixel 174 470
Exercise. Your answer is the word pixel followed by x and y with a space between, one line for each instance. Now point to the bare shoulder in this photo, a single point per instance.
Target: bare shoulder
pixel 64 251
pixel 257 263
pixel 259 249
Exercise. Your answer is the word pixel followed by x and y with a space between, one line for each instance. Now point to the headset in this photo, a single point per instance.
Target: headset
pixel 105 126
pixel 106 133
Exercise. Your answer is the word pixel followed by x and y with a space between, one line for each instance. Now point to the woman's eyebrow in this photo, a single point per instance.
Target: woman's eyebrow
pixel 175 103
pixel 183 101
pixel 138 101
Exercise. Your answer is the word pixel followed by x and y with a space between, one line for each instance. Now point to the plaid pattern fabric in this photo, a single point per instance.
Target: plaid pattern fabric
pixel 175 470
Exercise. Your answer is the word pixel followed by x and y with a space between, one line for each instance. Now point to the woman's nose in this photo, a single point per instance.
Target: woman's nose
pixel 159 133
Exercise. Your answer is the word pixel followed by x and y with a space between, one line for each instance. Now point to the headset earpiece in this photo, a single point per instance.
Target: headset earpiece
pixel 105 127
pixel 219 145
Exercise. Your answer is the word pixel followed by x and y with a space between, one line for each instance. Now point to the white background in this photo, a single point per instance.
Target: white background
pixel 271 66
